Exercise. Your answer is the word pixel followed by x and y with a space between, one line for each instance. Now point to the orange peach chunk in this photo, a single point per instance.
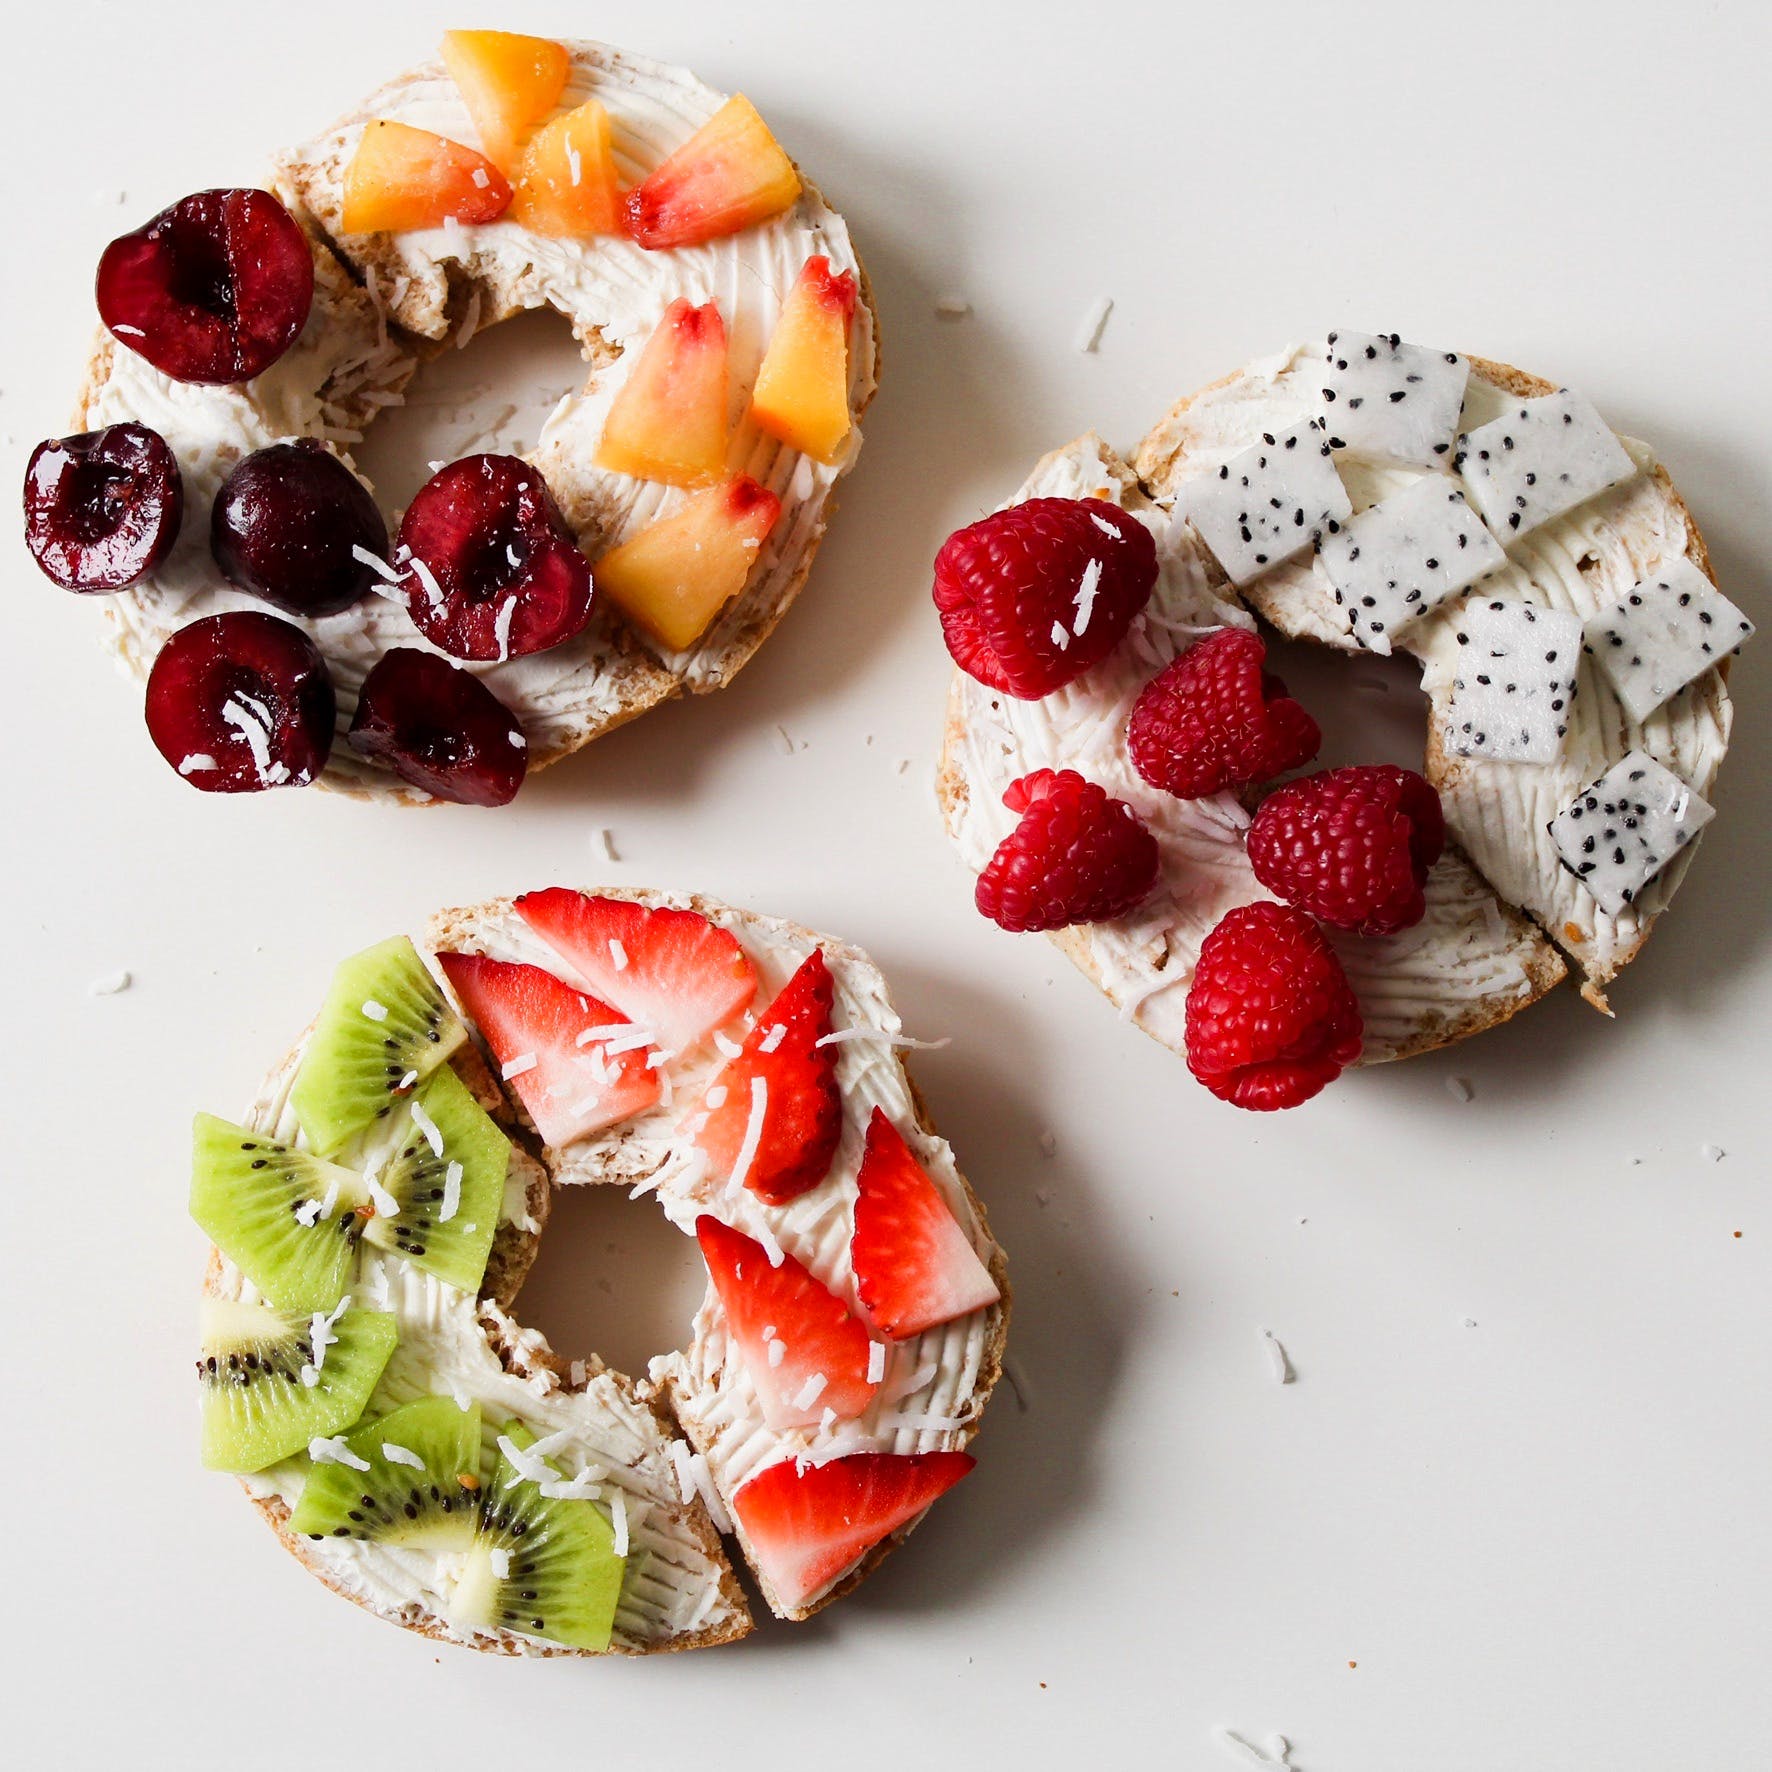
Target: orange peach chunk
pixel 669 420
pixel 567 185
pixel 675 576
pixel 802 391
pixel 729 175
pixel 509 83
pixel 402 178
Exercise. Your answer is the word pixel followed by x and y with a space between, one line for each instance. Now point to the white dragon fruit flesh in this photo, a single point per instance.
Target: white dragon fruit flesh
pixel 1618 834
pixel 1514 681
pixel 1392 402
pixel 1269 503
pixel 1538 460
pixel 1406 555
pixel 1668 630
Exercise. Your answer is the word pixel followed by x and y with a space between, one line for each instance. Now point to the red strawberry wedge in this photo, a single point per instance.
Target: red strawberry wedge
pixel 913 1265
pixel 773 1113
pixel 805 1527
pixel 535 1025
pixel 804 1351
pixel 671 972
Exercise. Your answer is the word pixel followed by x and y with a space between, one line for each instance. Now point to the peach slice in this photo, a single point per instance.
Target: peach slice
pixel 728 175
pixel 669 420
pixel 401 178
pixel 802 391
pixel 509 83
pixel 674 577
pixel 567 184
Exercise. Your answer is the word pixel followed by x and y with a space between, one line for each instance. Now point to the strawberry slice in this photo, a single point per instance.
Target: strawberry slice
pixel 773 1113
pixel 670 971
pixel 806 1527
pixel 535 1025
pixel 914 1266
pixel 804 1351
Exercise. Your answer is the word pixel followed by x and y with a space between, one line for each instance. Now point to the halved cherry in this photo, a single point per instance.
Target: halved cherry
pixel 214 289
pixel 491 568
pixel 440 728
pixel 102 509
pixel 241 702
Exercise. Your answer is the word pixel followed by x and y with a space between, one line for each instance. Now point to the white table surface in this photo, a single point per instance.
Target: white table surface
pixel 1512 1514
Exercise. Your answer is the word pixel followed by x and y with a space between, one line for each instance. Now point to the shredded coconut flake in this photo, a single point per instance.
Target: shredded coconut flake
pixel 335 1451
pixel 386 1206
pixel 195 761
pixel 376 564
pixel 428 581
pixel 501 1564
pixel 773 1038
pixel 451 1193
pixel 108 984
pixel 1091 583
pixel 726 1046
pixel 432 1135
pixel 400 1455
pixel 1458 1088
pixel 618 1520
pixel 1094 324
pixel 952 307
pixel 519 1066
pixel 876 1361
pixel 618 955
pixel 374 1010
pixel 1277 1360
pixel 501 626
pixel 753 1132
pixel 607 843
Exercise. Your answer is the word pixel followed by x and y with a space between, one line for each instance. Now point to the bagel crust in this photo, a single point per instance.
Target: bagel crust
pixel 385 304
pixel 682 1590
pixel 1505 920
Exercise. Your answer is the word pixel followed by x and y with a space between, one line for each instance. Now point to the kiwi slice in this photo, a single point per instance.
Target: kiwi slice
pixel 447 1175
pixel 258 1405
pixel 283 1217
pixel 542 1566
pixel 383 1027
pixel 413 1492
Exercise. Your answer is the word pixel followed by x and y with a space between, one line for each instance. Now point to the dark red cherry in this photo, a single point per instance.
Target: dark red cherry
pixel 492 571
pixel 241 702
pixel 214 289
pixel 285 524
pixel 103 509
pixel 440 728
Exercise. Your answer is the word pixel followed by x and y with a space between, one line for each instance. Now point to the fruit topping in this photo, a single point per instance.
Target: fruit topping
pixel 1514 679
pixel 576 1065
pixel 668 421
pixel 669 971
pixel 1392 402
pixel 805 1353
pixel 491 569
pixel 1618 834
pixel 1538 460
pixel 1031 597
pixel 1078 856
pixel 806 1524
pixel 404 1485
pixel 730 174
pixel 383 1028
pixel 1271 1019
pixel 440 728
pixel 102 509
pixel 773 1114
pixel 567 184
pixel 292 524
pixel 241 702
pixel 914 1266
pixel 802 390
pixel 1351 846
pixel 543 1562
pixel 1268 503
pixel 677 574
pixel 285 1218
pixel 446 1180
pixel 509 82
pixel 273 1382
pixel 1214 718
pixel 214 289
pixel 401 178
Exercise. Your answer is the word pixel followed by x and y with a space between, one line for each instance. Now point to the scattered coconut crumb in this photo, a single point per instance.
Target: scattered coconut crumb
pixel 607 843
pixel 110 983
pixel 1276 1752
pixel 952 307
pixel 1712 1153
pixel 1094 323
pixel 1048 1145
pixel 904 763
pixel 1276 1354
pixel 1459 1088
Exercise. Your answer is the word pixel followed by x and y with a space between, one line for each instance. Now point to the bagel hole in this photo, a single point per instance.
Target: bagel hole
pixel 492 395
pixel 613 1277
pixel 1371 709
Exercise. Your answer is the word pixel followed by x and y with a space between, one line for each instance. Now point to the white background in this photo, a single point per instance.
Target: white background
pixel 1521 1480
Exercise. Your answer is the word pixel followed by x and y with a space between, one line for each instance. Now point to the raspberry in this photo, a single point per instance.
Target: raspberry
pixel 1351 846
pixel 1215 719
pixel 1270 1016
pixel 1033 596
pixel 1078 856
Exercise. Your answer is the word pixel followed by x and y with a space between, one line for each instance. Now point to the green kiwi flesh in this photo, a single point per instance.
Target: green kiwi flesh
pixel 423 1506
pixel 256 1407
pixel 383 1028
pixel 284 1217
pixel 447 1174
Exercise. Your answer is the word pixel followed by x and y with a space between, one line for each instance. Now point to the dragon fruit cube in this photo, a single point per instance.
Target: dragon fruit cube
pixel 1269 503
pixel 1618 834
pixel 1514 681
pixel 1667 632
pixel 1538 460
pixel 1392 402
